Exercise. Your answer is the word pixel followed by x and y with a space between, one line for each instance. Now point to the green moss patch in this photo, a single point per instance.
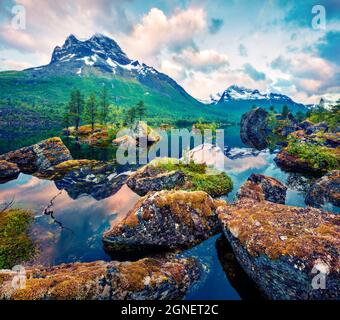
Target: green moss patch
pixel 199 177
pixel 15 243
pixel 319 157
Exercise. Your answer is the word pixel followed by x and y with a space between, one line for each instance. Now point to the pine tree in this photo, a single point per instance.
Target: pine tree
pixel 131 115
pixel 140 109
pixel 285 111
pixel 104 105
pixel 91 110
pixel 76 106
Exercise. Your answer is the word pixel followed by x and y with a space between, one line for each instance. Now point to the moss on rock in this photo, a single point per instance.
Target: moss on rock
pixel 197 177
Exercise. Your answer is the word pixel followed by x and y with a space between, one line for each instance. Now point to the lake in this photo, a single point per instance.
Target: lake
pixel 74 231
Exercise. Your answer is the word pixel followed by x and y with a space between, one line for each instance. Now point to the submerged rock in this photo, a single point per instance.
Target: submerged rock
pixel 166 220
pixel 98 179
pixel 40 156
pixel 285 249
pixel 325 190
pixel 8 171
pixel 254 128
pixel 146 279
pixel 260 187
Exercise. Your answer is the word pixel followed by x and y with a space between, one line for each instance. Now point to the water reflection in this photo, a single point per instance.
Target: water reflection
pixel 74 232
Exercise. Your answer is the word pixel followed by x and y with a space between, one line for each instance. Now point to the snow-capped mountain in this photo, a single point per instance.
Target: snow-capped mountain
pixel 327 101
pixel 99 56
pixel 235 92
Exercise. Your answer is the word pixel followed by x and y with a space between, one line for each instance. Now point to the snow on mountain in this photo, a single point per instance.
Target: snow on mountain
pixel 235 92
pixel 329 100
pixel 99 54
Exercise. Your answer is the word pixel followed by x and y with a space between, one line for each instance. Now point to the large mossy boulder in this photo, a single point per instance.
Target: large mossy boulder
pixel 8 171
pixel 165 220
pixel 40 156
pixel 254 128
pixel 260 187
pixel 325 190
pixel 146 279
pixel 167 173
pixel 308 158
pixel 286 250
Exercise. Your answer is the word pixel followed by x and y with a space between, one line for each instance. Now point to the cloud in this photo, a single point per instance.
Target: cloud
pixel 215 25
pixel 48 23
pixel 13 65
pixel 157 32
pixel 204 60
pixel 253 73
pixel 242 50
pixel 310 75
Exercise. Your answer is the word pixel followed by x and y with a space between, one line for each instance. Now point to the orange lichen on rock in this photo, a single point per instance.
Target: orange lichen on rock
pixel 166 278
pixel 277 230
pixel 167 218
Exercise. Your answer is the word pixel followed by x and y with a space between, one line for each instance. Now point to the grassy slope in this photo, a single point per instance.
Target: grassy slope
pixel 165 103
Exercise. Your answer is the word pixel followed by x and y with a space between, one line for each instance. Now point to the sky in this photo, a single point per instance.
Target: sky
pixel 274 46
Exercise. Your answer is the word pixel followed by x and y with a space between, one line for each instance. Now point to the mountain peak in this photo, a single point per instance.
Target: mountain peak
pixel 70 40
pixel 236 93
pixel 97 46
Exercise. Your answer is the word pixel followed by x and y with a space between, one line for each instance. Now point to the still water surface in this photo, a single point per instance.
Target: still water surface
pixel 74 231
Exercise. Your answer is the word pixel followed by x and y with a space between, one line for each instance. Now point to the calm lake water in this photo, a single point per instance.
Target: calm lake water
pixel 74 232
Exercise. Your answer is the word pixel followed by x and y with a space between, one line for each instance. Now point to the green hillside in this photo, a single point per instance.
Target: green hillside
pixel 49 94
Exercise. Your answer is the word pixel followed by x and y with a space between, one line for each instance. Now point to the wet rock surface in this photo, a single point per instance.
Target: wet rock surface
pixel 40 156
pixel 146 279
pixel 325 190
pixel 167 220
pixel 8 171
pixel 98 179
pixel 260 187
pixel 282 248
pixel 254 130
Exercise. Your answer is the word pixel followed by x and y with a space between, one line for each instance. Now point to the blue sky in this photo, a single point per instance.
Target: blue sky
pixel 204 45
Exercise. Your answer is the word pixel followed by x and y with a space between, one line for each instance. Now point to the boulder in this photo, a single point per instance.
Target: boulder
pixel 165 220
pixel 98 179
pixel 325 190
pixel 305 124
pixel 142 131
pixel 322 126
pixel 170 173
pixel 124 140
pixel 152 178
pixel 293 163
pixel 254 128
pixel 8 171
pixel 286 250
pixel 146 279
pixel 40 156
pixel 260 187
